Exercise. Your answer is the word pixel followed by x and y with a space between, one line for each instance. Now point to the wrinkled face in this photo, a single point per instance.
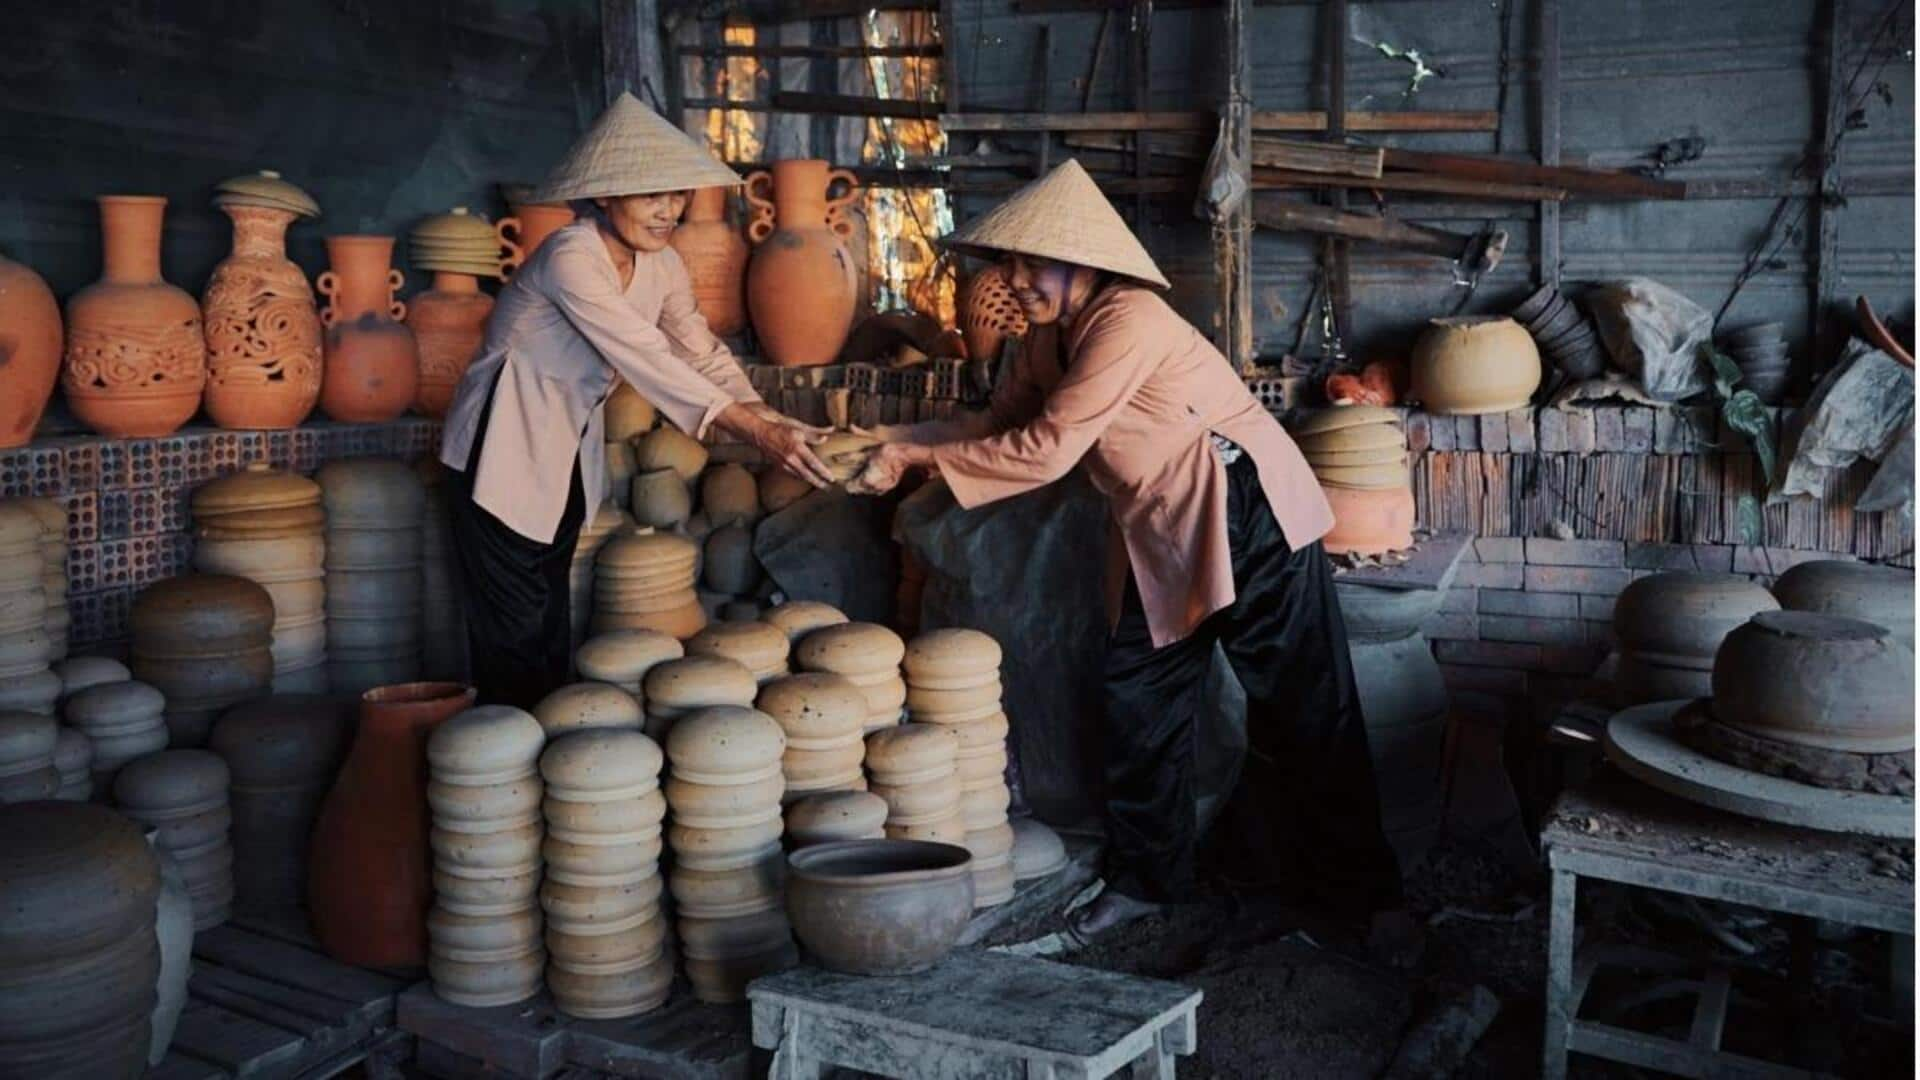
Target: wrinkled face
pixel 1042 287
pixel 644 222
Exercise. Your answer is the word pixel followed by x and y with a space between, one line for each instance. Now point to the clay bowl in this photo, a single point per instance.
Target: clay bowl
pixel 1685 614
pixel 1536 305
pixel 1582 362
pixel 1760 333
pixel 1882 595
pixel 1817 680
pixel 1759 354
pixel 1558 321
pixel 1769 386
pixel 879 907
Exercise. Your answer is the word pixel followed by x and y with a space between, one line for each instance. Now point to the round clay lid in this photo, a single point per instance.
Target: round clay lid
pixel 588 705
pixel 172 781
pixel 73 752
pixel 489 741
pixel 51 515
pixel 649 551
pixel 701 680
pixel 602 761
pixel 798 618
pixel 911 748
pixel 607 519
pixel 114 703
pixel 267 185
pixel 852 812
pixel 455 226
pixel 377 492
pixel 953 651
pixel 623 656
pixel 725 740
pixel 1342 440
pixel 856 648
pixel 197 610
pixel 26 737
pixel 70 873
pixel 814 705
pixel 758 645
pixel 258 487
pixel 284 738
pixel 1814 626
pixel 19 527
pixel 77 673
pixel 1344 416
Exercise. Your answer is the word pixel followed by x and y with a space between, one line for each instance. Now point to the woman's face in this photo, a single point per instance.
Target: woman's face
pixel 644 222
pixel 1042 287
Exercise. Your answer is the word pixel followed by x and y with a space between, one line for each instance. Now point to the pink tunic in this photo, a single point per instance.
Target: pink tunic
pixel 1139 394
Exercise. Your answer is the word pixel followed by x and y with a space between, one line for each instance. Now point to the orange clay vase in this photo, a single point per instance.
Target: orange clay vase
pixel 448 322
pixel 373 367
pixel 801 284
pixel 29 351
pixel 263 334
pixel 369 874
pixel 1369 522
pixel 529 226
pixel 716 258
pixel 989 315
pixel 136 359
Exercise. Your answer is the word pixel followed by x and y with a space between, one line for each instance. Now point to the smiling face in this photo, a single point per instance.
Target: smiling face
pixel 644 222
pixel 1046 290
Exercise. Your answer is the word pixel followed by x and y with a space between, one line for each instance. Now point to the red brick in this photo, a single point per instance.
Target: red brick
pixel 1602 581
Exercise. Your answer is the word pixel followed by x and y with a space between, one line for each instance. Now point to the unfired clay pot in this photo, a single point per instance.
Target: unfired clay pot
pixel 283 752
pixel 725 744
pixel 728 494
pixel 716 258
pixel 263 333
pixel 372 363
pixel 1471 364
pixel 1669 627
pixel 1817 680
pixel 628 415
pixel 660 499
pixel 802 286
pixel 879 907
pixel 669 448
pixel 588 705
pixel 1369 522
pixel 1882 595
pixel 448 321
pixel 30 340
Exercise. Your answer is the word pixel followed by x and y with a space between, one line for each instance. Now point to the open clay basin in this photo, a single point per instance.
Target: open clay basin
pixel 879 907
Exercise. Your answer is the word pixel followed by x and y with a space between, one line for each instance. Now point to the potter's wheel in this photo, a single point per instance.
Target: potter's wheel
pixel 1641 742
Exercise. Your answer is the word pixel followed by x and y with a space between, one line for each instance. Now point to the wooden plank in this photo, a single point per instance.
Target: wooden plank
pixel 1275 213
pixel 1263 120
pixel 327 1010
pixel 528 1039
pixel 630 55
pixel 1233 258
pixel 1829 331
pixel 1141 80
pixel 847 105
pixel 1267 150
pixel 288 965
pixel 289 925
pixel 240 1044
pixel 1574 178
pixel 1550 259
pixel 1406 181
pixel 682 1040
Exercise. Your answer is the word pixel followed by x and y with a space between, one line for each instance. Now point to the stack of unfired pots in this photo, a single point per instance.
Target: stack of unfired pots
pixel 759 646
pixel 677 688
pixel 868 656
pixel 829 816
pixel 375 513
pixel 123 721
pixel 205 641
pixel 953 680
pixel 27 745
pixel 824 717
pixel 282 753
pixel 183 794
pixel 798 618
pixel 623 657
pixel 73 760
pixel 25 649
pixel 1359 455
pixel 1669 626
pixel 644 581
pixel 593 536
pixel 267 526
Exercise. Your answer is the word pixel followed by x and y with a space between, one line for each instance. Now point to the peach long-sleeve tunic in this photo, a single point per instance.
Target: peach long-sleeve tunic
pixel 561 334
pixel 1137 396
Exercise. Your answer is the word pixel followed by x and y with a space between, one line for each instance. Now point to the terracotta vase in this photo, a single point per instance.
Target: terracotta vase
pixel 989 315
pixel 370 876
pixel 448 322
pixel 530 225
pixel 30 338
pixel 372 365
pixel 136 359
pixel 1369 521
pixel 716 258
pixel 802 287
pixel 263 333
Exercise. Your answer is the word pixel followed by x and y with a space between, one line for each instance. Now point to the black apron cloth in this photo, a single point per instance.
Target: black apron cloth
pixel 515 591
pixel 1305 815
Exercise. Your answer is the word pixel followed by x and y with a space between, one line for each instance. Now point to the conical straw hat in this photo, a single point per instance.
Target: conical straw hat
pixel 1061 216
pixel 632 150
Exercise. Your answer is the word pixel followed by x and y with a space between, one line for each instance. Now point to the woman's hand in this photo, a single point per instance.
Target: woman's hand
pixel 886 433
pixel 787 444
pixel 774 416
pixel 888 466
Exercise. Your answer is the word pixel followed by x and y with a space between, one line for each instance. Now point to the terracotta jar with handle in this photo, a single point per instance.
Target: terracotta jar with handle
pixel 529 223
pixel 136 357
pixel 716 258
pixel 448 321
pixel 30 338
pixel 802 286
pixel 372 364
pixel 263 332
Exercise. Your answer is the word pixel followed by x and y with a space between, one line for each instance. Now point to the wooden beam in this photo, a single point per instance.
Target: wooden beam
pixel 1233 244
pixel 1272 212
pixel 1265 150
pixel 1593 183
pixel 1263 120
pixel 1142 56
pixel 843 52
pixel 631 59
pixel 1550 258
pixel 1401 181
pixel 767 11
pixel 1333 22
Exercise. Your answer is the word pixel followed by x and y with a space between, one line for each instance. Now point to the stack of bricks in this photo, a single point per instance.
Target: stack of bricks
pixel 875 395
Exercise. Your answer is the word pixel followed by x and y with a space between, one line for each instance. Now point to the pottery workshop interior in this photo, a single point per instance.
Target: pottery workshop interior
pixel 947 539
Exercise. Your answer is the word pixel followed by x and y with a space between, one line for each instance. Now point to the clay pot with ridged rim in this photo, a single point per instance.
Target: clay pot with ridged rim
pixel 716 258
pixel 449 322
pixel 802 284
pixel 30 341
pixel 372 363
pixel 263 331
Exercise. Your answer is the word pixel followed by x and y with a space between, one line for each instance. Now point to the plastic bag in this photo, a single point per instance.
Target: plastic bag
pixel 1654 334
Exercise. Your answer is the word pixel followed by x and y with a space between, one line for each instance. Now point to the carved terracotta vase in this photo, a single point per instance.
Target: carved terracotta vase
pixel 531 223
pixel 30 338
pixel 448 323
pixel 372 365
pixel 989 315
pixel 716 258
pixel 802 287
pixel 263 333
pixel 136 359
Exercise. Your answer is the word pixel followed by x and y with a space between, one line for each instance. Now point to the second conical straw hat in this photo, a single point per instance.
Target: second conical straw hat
pixel 1061 216
pixel 632 150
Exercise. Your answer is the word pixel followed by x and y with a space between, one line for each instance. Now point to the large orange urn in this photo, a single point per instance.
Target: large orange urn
pixel 716 258
pixel 136 358
pixel 529 225
pixel 369 877
pixel 802 287
pixel 263 333
pixel 448 322
pixel 372 365
pixel 29 351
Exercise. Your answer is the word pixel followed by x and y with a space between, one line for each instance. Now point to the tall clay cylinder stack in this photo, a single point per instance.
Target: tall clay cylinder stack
pixel 824 717
pixel 53 569
pixel 761 647
pixel 375 513
pixel 914 768
pixel 27 745
pixel 483 933
pixel 644 581
pixel 282 753
pixel 267 526
pixel 443 629
pixel 606 931
pixel 953 680
pixel 623 657
pixel 677 688
pixel 869 656
pixel 594 535
pixel 724 790
pixel 123 721
pixel 205 641
pixel 183 793
pixel 583 705
pixel 25 649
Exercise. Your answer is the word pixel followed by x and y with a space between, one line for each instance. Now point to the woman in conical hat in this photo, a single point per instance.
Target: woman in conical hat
pixel 1218 519
pixel 604 299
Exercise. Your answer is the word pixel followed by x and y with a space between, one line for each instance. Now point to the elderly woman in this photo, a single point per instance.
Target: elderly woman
pixel 604 299
pixel 1218 520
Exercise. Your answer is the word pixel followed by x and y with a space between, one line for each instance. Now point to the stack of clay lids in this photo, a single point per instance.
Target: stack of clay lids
pixel 268 526
pixel 53 569
pixel 607 939
pixel 27 744
pixel 73 760
pixel 77 673
pixel 869 656
pixel 678 687
pixel 953 680
pixel 728 494
pixel 623 657
pixel 123 721
pixel 25 649
pixel 594 535
pixel 724 790
pixel 282 752
pixel 183 793
pixel 761 647
pixel 914 768
pixel 643 580
pixel 205 641
pixel 1359 455
pixel 582 705
pixel 265 189
pixel 457 242
pixel 376 511
pixel 827 816
pixel 824 717
pixel 729 567
pixel 798 618
pixel 443 626
pixel 484 946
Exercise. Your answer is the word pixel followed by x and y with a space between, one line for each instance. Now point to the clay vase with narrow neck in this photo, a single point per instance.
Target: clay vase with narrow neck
pixel 30 339
pixel 136 358
pixel 263 333
pixel 531 223
pixel 801 283
pixel 372 365
pixel 369 877
pixel 716 258
pixel 448 323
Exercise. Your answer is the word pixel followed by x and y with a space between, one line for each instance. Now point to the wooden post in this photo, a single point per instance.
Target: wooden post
pixel 630 54
pixel 1333 250
pixel 1826 289
pixel 1233 239
pixel 1142 70
pixel 1550 137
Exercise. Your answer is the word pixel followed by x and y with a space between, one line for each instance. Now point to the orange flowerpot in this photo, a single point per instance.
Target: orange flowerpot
pixel 136 359
pixel 263 334
pixel 989 314
pixel 802 287
pixel 531 224
pixel 30 338
pixel 716 258
pixel 372 364
pixel 370 875
pixel 1369 522
pixel 448 322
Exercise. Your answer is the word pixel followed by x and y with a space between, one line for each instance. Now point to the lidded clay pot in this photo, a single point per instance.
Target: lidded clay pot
pixel 954 656
pixel 490 744
pixel 911 753
pixel 607 817
pixel 1816 680
pixel 725 744
pixel 600 765
pixel 74 878
pixel 490 983
pixel 73 760
pixel 1473 364
pixel 1882 595
pixel 27 745
pixel 835 815
pixel 758 646
pixel 30 345
pixel 588 705
pixel 851 649
pixel 198 615
pixel 77 673
pixel 726 893
pixel 728 494
pixel 623 657
pixel 1670 625
pixel 814 706
pixel 724 806
pixel 172 785
pixel 282 752
pixel 732 848
pixel 668 448
pixel 696 681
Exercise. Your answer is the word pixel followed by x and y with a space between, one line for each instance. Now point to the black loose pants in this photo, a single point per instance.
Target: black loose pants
pixel 1305 815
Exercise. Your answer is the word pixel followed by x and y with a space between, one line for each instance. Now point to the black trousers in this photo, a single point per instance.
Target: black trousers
pixel 1304 817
